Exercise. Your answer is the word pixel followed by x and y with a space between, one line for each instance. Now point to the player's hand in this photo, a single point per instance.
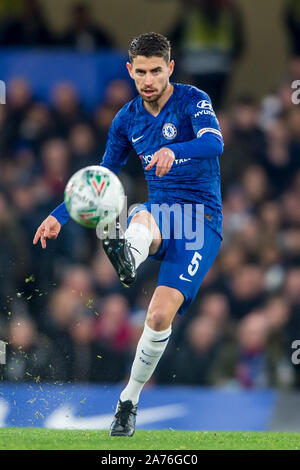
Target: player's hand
pixel 163 159
pixel 50 228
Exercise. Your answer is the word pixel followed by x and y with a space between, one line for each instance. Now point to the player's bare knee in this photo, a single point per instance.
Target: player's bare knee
pixel 141 217
pixel 156 319
pixel 144 217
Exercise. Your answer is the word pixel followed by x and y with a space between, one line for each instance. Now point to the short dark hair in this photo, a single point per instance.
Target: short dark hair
pixel 149 45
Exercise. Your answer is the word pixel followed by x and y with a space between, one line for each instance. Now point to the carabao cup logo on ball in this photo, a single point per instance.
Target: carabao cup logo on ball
pixel 169 131
pixel 94 194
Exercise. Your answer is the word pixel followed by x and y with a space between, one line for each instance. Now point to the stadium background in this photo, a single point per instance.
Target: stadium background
pixel 64 315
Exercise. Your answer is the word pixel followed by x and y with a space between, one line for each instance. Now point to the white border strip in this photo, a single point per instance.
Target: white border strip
pixel 208 129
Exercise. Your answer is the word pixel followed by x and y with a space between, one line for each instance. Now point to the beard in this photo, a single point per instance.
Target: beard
pixel 156 96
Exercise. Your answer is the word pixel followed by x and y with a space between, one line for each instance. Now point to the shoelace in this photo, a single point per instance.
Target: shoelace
pixel 132 247
pixel 128 245
pixel 124 412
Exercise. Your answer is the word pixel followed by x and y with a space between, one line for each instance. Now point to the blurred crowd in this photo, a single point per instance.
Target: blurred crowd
pixel 63 311
pixel 24 24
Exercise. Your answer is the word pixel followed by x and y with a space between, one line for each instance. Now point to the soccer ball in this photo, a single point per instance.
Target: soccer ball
pixel 94 195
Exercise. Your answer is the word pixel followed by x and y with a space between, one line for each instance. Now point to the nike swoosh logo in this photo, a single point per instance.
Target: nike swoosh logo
pixel 184 278
pixel 147 354
pixel 135 140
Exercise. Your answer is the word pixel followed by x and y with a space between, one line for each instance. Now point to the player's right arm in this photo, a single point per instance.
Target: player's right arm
pixel 49 228
pixel 118 145
pixel 116 153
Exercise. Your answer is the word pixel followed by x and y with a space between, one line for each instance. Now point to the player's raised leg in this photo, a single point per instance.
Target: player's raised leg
pixel 126 252
pixel 152 344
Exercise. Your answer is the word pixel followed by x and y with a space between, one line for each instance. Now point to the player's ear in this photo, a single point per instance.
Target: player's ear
pixel 129 68
pixel 171 67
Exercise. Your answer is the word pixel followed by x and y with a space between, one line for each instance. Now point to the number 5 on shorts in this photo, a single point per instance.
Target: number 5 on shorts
pixel 194 264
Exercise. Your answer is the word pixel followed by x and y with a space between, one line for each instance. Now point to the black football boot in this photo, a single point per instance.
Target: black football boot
pixel 124 420
pixel 118 250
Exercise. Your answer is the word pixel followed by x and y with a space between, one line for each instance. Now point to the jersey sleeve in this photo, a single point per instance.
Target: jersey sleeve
pixel 208 141
pixel 200 111
pixel 61 214
pixel 118 145
pixel 116 153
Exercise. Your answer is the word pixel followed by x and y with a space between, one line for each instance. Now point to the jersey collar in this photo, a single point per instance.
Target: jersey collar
pixel 166 105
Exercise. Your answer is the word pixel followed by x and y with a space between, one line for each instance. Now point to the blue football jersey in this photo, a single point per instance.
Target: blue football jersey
pixel 187 115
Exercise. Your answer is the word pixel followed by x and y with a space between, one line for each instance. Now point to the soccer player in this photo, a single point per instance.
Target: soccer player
pixel 174 130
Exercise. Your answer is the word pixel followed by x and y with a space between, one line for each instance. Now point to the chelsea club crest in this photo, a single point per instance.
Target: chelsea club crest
pixel 169 131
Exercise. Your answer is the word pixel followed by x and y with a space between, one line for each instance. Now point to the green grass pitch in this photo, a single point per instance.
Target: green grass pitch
pixel 50 439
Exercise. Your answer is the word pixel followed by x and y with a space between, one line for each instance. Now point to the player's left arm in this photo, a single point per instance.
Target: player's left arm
pixel 208 142
pixel 163 159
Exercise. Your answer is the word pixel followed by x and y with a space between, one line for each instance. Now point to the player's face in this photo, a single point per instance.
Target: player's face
pixel 151 76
